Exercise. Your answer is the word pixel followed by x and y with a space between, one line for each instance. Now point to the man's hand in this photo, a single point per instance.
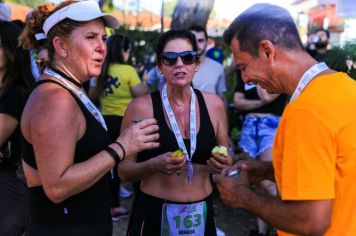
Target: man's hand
pixel 257 170
pixel 234 191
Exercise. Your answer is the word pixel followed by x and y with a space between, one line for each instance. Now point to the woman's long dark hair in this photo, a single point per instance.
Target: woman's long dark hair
pixel 17 61
pixel 117 44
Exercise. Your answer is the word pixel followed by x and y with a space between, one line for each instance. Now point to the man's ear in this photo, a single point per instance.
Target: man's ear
pixel 267 49
pixel 60 46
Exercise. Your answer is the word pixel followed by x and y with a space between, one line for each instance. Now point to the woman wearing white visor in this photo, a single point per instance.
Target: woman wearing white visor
pixel 67 154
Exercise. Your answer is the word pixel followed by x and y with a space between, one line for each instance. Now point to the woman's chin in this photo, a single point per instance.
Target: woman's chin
pixel 95 73
pixel 180 83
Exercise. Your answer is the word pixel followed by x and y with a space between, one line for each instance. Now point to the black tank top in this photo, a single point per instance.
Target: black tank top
pixel 206 140
pixel 91 206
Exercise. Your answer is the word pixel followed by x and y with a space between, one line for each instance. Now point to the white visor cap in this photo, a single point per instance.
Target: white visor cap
pixel 79 11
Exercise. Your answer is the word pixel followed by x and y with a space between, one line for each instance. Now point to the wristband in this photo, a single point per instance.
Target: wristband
pixel 113 154
pixel 123 149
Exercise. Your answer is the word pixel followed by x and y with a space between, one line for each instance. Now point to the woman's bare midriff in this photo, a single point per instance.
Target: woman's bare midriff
pixel 176 188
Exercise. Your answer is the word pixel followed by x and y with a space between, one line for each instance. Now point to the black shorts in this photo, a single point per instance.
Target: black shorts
pixel 14 204
pixel 147 215
pixel 57 229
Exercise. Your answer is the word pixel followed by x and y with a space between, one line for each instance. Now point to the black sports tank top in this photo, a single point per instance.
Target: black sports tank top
pixel 91 206
pixel 206 140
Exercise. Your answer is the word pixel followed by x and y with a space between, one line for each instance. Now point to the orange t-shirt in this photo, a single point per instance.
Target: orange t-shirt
pixel 314 152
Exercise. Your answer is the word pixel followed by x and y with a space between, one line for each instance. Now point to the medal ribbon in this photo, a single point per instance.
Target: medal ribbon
pixel 175 127
pixel 308 76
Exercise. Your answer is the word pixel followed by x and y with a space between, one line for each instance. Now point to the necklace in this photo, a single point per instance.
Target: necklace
pixel 81 95
pixel 66 77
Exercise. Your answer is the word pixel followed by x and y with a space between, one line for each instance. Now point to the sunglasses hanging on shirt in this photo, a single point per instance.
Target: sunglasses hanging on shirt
pixel 170 58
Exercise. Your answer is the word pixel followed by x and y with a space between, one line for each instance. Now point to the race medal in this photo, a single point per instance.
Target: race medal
pixel 189 171
pixel 184 219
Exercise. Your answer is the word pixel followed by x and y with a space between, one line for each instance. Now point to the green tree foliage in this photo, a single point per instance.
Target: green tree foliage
pixel 342 59
pixel 169 7
pixel 144 46
pixel 29 3
pixel 106 5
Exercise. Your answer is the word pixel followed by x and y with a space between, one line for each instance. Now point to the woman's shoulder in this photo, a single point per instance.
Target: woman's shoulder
pixel 212 99
pixel 51 95
pixel 140 107
pixel 52 106
pixel 140 103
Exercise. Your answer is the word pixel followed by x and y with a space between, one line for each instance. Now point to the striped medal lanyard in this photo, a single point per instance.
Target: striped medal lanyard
pixel 308 76
pixel 192 126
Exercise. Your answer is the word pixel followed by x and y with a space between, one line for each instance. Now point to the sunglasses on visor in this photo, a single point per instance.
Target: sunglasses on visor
pixel 170 58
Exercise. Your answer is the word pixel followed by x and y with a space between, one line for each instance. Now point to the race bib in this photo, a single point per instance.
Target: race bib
pixel 183 219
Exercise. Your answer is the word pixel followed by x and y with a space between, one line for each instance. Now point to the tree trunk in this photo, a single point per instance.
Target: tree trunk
pixel 191 12
pixel 162 16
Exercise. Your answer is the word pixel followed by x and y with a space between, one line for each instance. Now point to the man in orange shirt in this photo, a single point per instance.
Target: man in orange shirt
pixel 314 152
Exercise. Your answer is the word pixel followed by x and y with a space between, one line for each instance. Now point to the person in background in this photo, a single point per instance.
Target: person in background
pixel 314 149
pixel 15 85
pixel 261 112
pixel 5 11
pixel 39 61
pixel 19 23
pixel 210 76
pixel 154 79
pixel 318 44
pixel 174 187
pixel 117 85
pixel 67 151
pixel 215 52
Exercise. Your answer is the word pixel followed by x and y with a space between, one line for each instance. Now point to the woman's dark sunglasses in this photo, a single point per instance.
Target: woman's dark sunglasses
pixel 170 58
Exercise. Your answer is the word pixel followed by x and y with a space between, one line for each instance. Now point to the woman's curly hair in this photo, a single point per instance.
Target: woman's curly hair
pixel 35 21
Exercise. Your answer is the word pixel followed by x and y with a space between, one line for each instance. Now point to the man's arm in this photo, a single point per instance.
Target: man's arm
pixel 298 217
pixel 244 104
pixel 264 96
